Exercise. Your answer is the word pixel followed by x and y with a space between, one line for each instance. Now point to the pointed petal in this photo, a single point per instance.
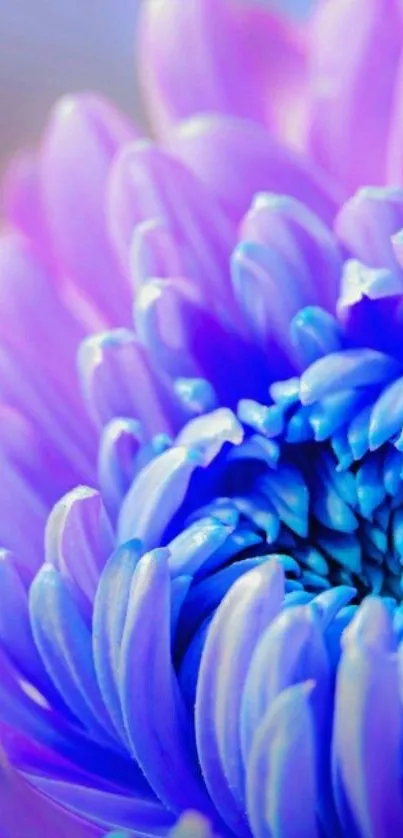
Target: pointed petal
pixel 38 816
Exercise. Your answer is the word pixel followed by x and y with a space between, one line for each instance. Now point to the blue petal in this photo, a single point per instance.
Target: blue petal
pixel 251 603
pixel 110 608
pixel 196 544
pixel 315 333
pixel 281 789
pixel 156 495
pixel 387 415
pixel 345 370
pixel 368 728
pixel 156 719
pixel 65 645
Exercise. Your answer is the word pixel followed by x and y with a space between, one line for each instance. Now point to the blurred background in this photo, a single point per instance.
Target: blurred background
pixel 50 47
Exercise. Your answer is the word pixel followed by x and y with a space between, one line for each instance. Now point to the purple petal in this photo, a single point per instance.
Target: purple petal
pixel 194 546
pixel 290 650
pixel 81 141
pixel 118 381
pixel 79 538
pixel 208 433
pixel 121 442
pixel 155 252
pixel 139 814
pixel 258 273
pixel 306 244
pixel 370 306
pixel 263 85
pixel 315 333
pixel 146 184
pixel 351 101
pixel 394 148
pixel 38 816
pixel 39 375
pixel 236 159
pixel 183 335
pixel 366 223
pixel 23 201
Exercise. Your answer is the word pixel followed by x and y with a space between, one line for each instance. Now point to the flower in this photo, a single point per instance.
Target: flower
pixel 318 87
pixel 217 627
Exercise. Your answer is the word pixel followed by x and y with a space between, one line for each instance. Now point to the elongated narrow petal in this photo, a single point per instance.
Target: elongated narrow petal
pixel 82 139
pixel 351 100
pixel 156 720
pixel 118 381
pixel 280 771
pixel 368 723
pixel 79 538
pixel 252 602
pixel 144 184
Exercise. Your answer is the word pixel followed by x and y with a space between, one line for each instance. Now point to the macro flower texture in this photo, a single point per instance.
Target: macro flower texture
pixel 201 440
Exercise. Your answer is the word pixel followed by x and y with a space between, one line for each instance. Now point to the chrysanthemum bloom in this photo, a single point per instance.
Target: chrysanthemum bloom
pixel 217 626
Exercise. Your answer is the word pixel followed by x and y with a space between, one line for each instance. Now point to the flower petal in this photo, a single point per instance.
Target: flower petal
pixel 280 772
pixel 250 605
pixel 79 538
pixel 157 723
pixel 146 183
pixel 82 139
pixel 351 102
pixel 237 159
pixel 117 380
pixel 368 727
pixel 211 76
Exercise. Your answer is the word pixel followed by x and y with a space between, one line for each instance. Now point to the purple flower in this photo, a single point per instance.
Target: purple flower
pixel 215 622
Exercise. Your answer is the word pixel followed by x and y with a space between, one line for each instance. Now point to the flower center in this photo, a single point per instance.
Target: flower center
pixel 330 510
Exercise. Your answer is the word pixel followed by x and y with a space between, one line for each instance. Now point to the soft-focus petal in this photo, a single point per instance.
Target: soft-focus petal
pixel 351 98
pixel 81 141
pixel 240 59
pixel 25 812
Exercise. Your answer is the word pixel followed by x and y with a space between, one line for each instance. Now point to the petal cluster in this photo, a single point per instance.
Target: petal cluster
pixel 215 623
pixel 194 637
